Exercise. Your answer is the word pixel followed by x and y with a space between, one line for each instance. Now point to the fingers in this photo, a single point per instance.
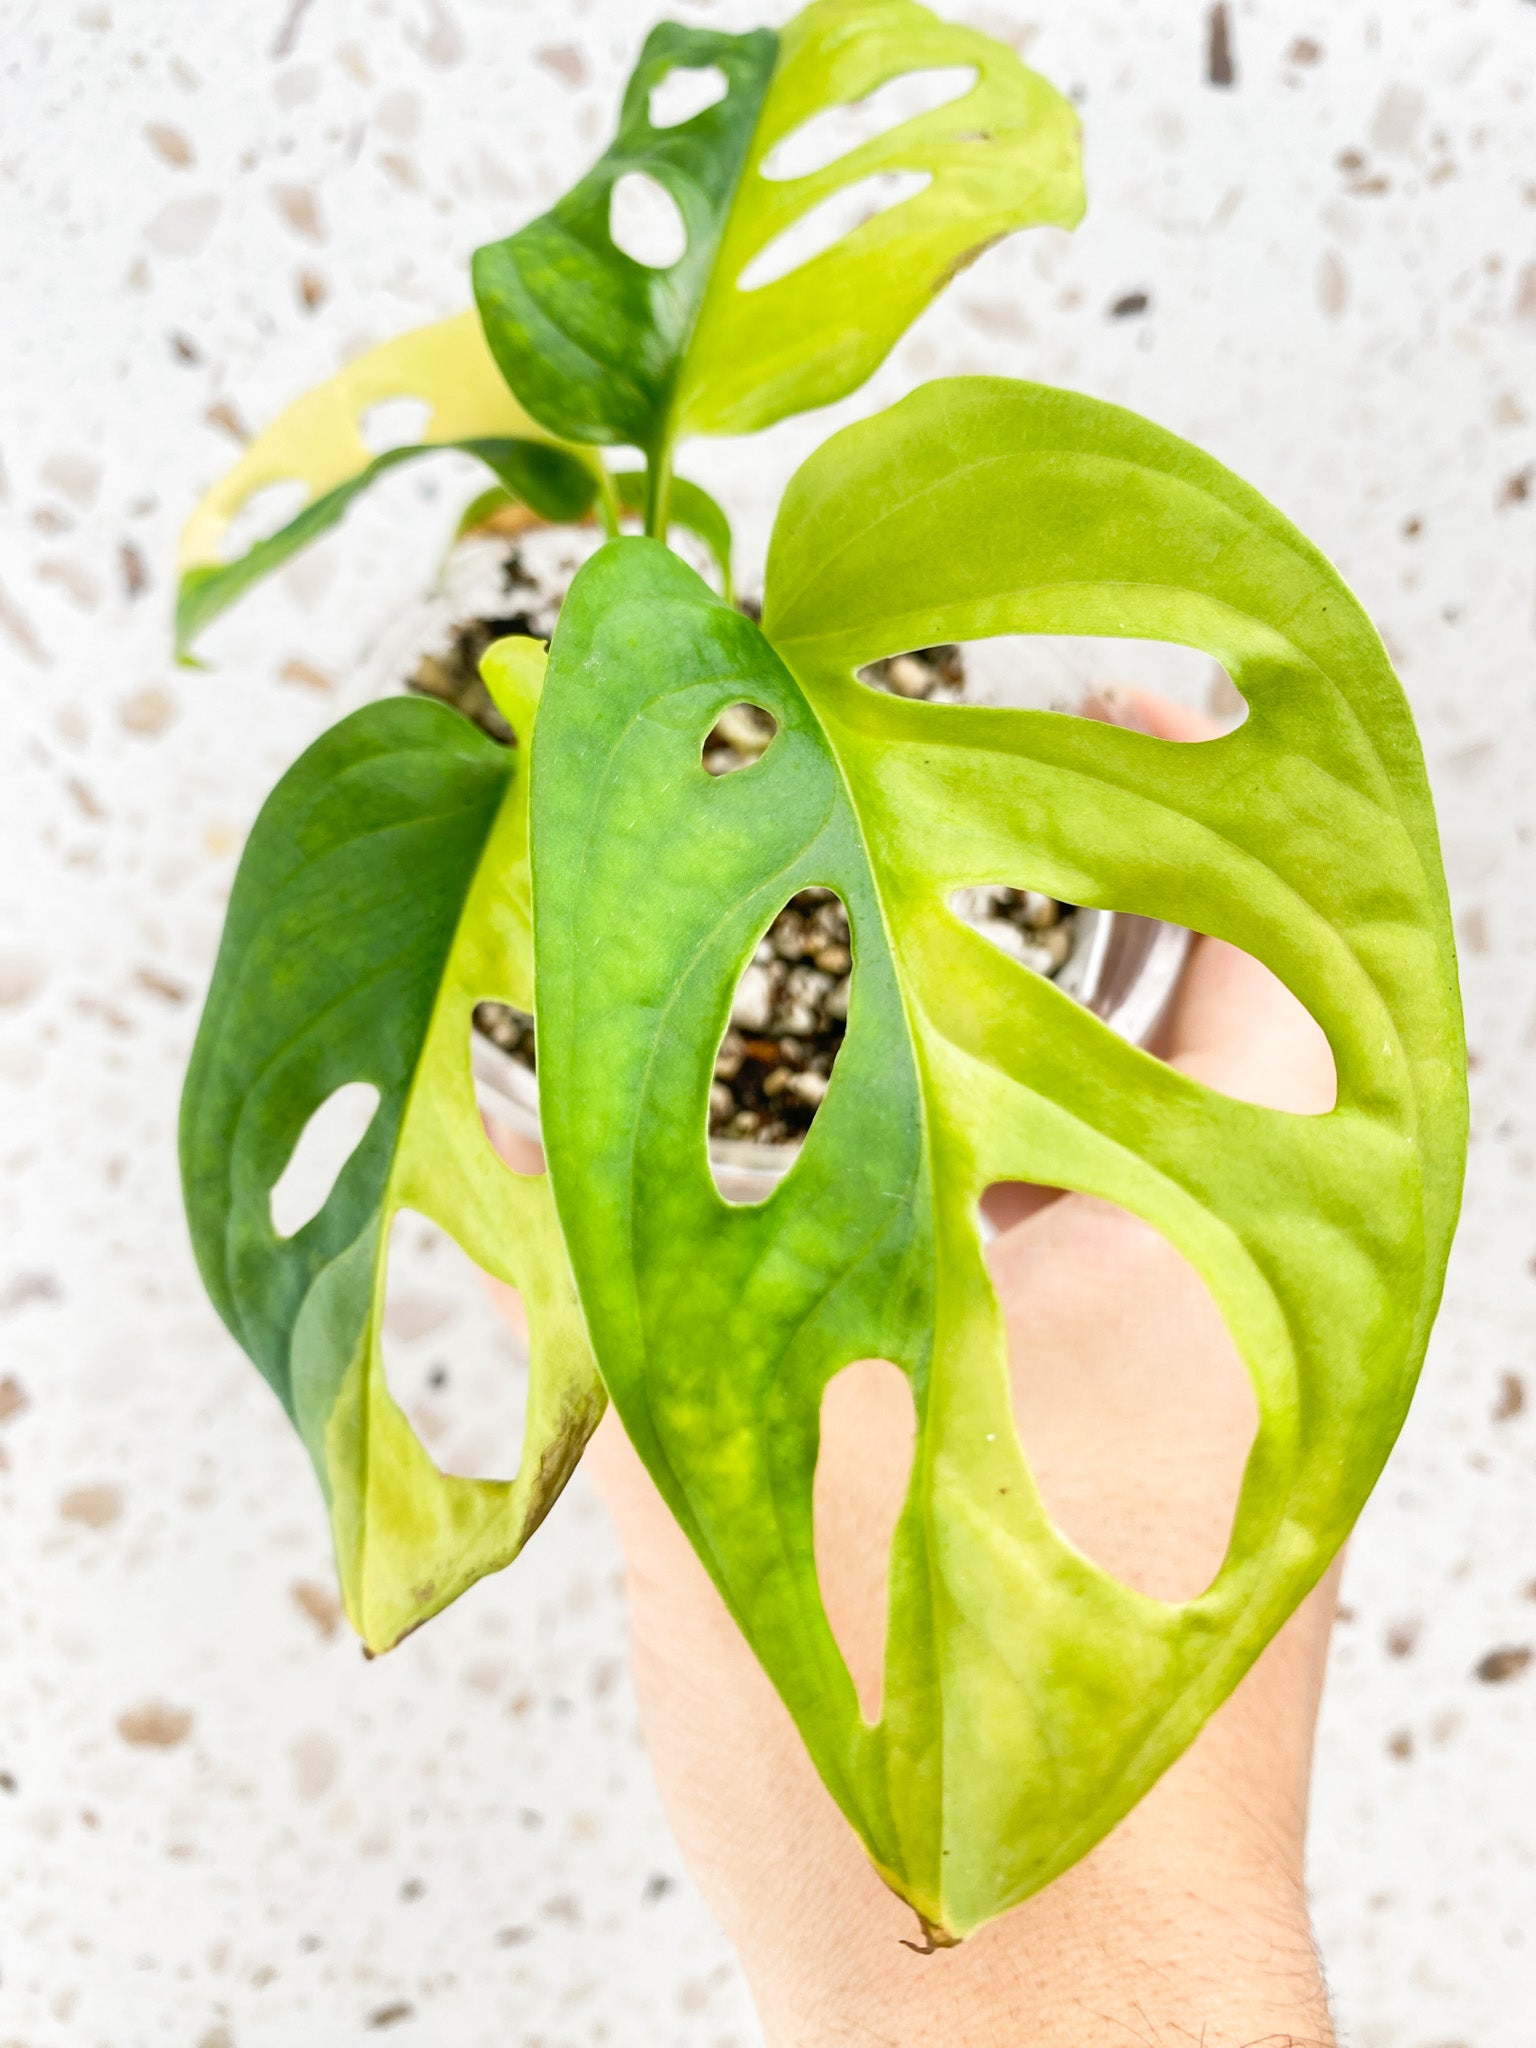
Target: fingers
pixel 523 1155
pixel 1142 711
pixel 1236 1026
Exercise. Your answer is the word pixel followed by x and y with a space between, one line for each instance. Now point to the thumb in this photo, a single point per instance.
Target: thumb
pixel 1233 1024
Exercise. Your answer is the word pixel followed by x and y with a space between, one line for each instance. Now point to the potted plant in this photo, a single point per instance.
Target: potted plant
pixel 599 878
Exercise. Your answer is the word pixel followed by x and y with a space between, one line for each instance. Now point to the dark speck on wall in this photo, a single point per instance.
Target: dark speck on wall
pixel 390 2015
pixel 135 570
pixel 1220 68
pixel 1511 1398
pixel 1501 1665
pixel 1402 1638
pixel 1130 305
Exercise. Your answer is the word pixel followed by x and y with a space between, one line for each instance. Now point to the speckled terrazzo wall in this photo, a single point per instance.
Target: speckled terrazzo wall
pixel 218 1827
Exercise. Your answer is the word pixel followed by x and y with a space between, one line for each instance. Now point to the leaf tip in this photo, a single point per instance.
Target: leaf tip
pixel 512 669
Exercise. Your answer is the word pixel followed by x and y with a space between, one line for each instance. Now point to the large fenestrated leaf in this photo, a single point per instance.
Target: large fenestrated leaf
pixel 318 442
pixel 1029 1698
pixel 603 348
pixel 383 892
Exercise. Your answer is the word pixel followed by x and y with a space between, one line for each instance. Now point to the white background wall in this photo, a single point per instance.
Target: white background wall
pixel 460 1843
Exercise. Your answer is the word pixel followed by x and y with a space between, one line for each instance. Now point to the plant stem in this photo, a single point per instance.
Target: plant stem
pixel 658 491
pixel 607 501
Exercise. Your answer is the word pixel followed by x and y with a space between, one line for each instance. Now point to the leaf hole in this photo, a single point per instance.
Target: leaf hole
pixel 789 1016
pixel 265 512
pixel 1034 929
pixel 687 91
pixel 838 131
pixel 739 738
pixel 822 227
pixel 503 1057
pixel 1234 1025
pixel 394 423
pixel 450 1361
pixel 1179 692
pixel 645 222
pixel 1208 1007
pixel 1124 969
pixel 324 1146
pixel 863 1468
pixel 1132 1405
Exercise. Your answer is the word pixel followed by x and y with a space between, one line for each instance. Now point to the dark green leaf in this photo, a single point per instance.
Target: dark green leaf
pixel 383 892
pixel 589 339
pixel 602 348
pixel 549 481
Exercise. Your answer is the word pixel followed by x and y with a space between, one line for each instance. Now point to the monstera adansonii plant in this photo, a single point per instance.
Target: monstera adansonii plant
pixel 407 868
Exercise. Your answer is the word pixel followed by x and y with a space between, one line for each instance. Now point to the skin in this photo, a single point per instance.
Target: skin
pixel 1189 1923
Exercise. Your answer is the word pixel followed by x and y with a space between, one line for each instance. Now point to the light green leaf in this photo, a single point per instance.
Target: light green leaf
pixel 1007 155
pixel 318 442
pixel 1029 1698
pixel 383 892
pixel 483 508
pixel 603 348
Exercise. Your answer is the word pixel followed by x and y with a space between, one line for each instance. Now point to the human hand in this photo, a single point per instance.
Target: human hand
pixel 1189 1922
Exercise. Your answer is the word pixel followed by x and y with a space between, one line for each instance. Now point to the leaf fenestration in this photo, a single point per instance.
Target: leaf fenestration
pixel 1005 155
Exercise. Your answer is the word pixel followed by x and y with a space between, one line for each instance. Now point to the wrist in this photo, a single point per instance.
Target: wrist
pixel 1189 1922
pixel 1168 1969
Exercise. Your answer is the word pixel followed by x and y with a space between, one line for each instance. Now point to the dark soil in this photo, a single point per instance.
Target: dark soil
pixel 791 1006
